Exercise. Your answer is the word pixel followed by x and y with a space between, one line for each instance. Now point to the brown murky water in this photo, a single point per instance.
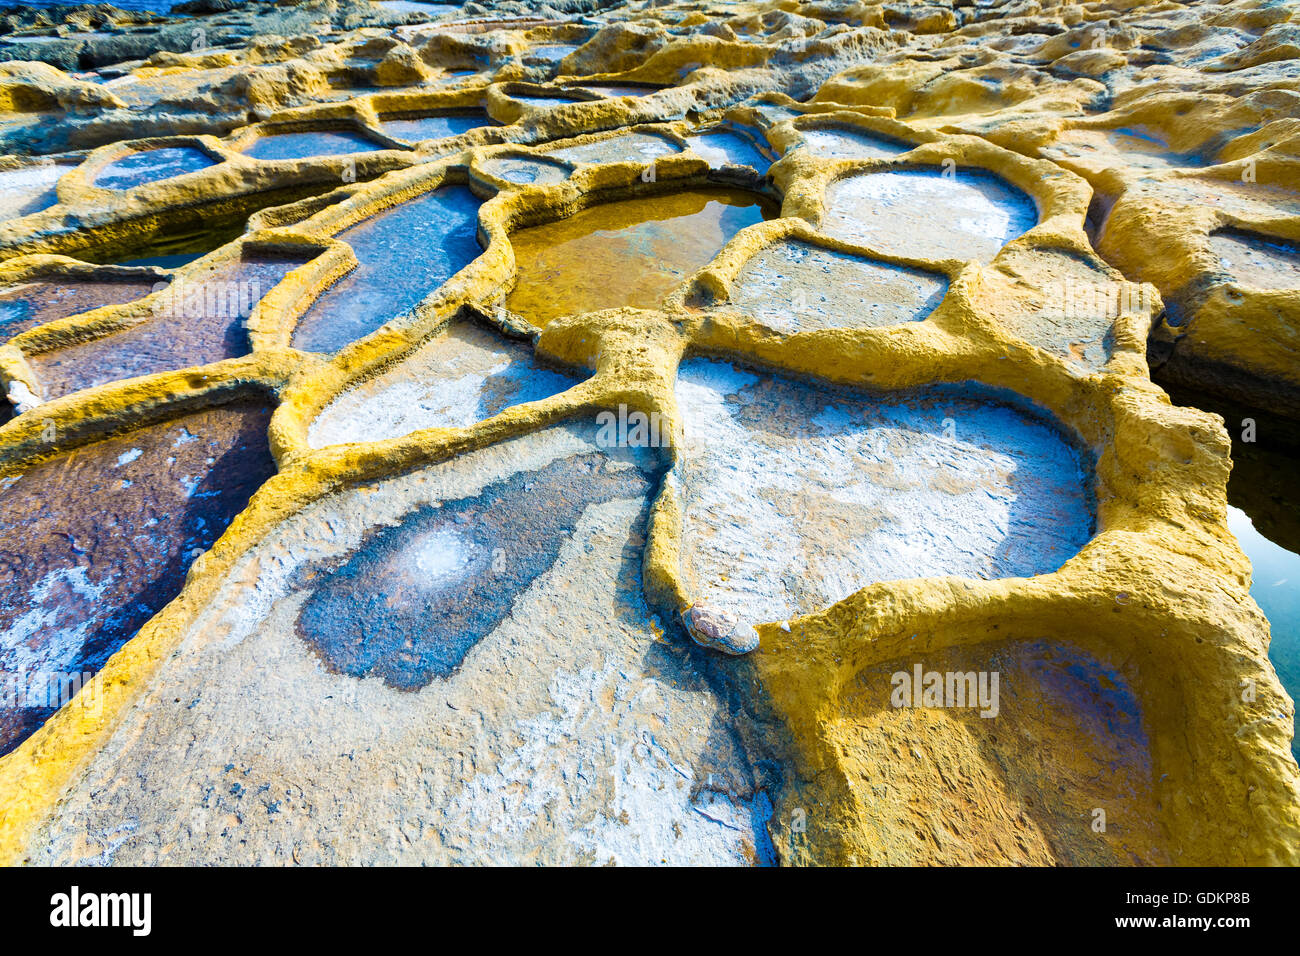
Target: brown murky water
pixel 629 253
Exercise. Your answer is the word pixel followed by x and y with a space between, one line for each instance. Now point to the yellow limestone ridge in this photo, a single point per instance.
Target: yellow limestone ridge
pixel 1067 103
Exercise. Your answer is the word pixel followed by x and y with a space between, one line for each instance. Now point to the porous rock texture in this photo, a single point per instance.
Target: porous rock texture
pixel 472 642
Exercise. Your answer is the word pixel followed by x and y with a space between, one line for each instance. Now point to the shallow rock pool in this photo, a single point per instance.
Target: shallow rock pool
pixel 795 495
pixel 923 214
pixel 794 286
pixel 305 145
pixel 152 165
pixel 75 587
pixel 403 255
pixel 632 252
pixel 461 377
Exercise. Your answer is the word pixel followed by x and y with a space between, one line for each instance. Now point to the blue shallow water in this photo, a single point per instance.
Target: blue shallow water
pixel 722 147
pixel 440 560
pixel 428 9
pixel 172 261
pixel 1275 586
pixel 152 165
pixel 545 102
pixel 312 143
pixel 403 254
pixel 418 128
pixel 13 318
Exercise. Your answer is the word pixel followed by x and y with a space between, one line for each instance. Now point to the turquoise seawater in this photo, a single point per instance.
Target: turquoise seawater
pixel 1264 514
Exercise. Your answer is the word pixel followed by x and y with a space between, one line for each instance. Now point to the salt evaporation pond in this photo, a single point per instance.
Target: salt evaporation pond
pixel 30 304
pixel 1071 314
pixel 197 320
pixel 403 255
pixel 525 172
pixel 150 6
pixel 552 53
pixel 626 148
pixel 427 9
pixel 838 142
pixel 28 189
pixel 76 585
pixel 614 92
pixel 545 102
pixel 496 598
pixel 796 495
pixel 628 253
pixel 923 214
pixel 726 148
pixel 772 113
pixel 440 556
pixel 152 165
pixel 305 145
pixel 463 376
pixel 794 286
pixel 415 129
